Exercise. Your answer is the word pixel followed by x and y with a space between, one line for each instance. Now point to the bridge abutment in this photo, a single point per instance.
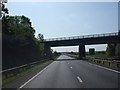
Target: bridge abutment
pixel 81 51
pixel 47 52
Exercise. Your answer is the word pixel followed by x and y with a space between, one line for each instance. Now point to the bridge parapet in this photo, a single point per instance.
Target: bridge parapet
pixel 82 37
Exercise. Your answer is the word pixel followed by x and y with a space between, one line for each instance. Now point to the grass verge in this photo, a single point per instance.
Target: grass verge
pixel 102 56
pixel 74 56
pixel 112 65
pixel 6 81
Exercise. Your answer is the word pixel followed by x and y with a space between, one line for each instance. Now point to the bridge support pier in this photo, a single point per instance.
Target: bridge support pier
pixel 47 52
pixel 81 51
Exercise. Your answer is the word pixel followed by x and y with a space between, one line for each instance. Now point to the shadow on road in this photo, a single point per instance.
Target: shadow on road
pixel 64 59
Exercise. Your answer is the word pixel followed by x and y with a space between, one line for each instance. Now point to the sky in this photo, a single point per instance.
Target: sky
pixel 65 19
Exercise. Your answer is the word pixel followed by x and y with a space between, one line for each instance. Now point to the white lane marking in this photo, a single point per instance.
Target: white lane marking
pixel 32 78
pixel 108 69
pixel 79 79
pixel 68 63
pixel 71 67
pixel 105 68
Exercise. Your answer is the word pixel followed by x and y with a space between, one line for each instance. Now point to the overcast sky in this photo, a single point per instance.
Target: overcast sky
pixel 64 19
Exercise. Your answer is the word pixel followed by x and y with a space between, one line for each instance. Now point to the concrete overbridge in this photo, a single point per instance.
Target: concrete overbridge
pixel 81 41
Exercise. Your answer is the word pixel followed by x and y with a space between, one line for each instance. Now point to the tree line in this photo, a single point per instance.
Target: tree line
pixel 19 45
pixel 114 49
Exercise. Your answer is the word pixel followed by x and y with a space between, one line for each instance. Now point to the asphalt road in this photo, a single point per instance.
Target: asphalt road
pixel 73 74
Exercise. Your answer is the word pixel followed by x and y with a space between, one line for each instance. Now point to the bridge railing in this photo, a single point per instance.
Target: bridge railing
pixel 83 36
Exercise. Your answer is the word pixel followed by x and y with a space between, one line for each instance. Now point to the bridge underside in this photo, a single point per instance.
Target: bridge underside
pixel 81 43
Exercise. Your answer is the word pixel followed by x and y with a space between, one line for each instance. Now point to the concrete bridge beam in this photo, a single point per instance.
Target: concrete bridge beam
pixel 81 51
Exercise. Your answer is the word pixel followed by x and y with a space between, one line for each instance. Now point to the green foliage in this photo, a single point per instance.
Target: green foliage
pixel 100 52
pixel 55 54
pixel 114 49
pixel 4 10
pixel 19 43
pixel 117 51
pixel 111 49
pixel 74 53
pixel 17 25
pixel 40 37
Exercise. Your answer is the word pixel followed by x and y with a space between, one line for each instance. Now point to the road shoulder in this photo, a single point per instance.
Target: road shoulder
pixel 17 83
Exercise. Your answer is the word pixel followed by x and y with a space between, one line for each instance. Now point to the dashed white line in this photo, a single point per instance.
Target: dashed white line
pixel 32 78
pixel 79 79
pixel 71 67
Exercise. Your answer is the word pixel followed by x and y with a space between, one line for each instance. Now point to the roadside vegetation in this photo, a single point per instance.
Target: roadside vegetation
pixel 102 54
pixel 22 73
pixel 112 51
pixel 19 44
pixel 55 54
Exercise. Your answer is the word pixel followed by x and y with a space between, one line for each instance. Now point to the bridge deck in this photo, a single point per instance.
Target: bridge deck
pixel 81 37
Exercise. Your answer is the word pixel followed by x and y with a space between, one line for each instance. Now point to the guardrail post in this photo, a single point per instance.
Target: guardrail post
pixel 109 63
pixel 5 74
pixel 117 65
pixel 103 62
pixel 99 62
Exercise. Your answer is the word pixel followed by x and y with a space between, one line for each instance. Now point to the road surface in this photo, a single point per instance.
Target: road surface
pixel 73 74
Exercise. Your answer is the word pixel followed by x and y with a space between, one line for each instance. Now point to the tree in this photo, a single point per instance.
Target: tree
pixel 111 49
pixel 4 10
pixel 40 37
pixel 55 54
pixel 114 49
pixel 117 49
pixel 19 43
pixel 17 25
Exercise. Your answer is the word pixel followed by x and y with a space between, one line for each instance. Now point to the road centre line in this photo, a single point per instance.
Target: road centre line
pixel 32 78
pixel 79 79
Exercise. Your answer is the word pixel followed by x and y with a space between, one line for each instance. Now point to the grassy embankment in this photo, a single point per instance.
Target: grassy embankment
pixel 102 56
pixel 96 56
pixel 8 80
pixel 114 65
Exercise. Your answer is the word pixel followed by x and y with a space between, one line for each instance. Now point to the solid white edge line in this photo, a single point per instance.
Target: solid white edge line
pixel 32 78
pixel 79 79
pixel 105 68
pixel 108 69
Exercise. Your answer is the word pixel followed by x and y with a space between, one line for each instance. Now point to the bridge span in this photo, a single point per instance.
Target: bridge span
pixel 105 38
